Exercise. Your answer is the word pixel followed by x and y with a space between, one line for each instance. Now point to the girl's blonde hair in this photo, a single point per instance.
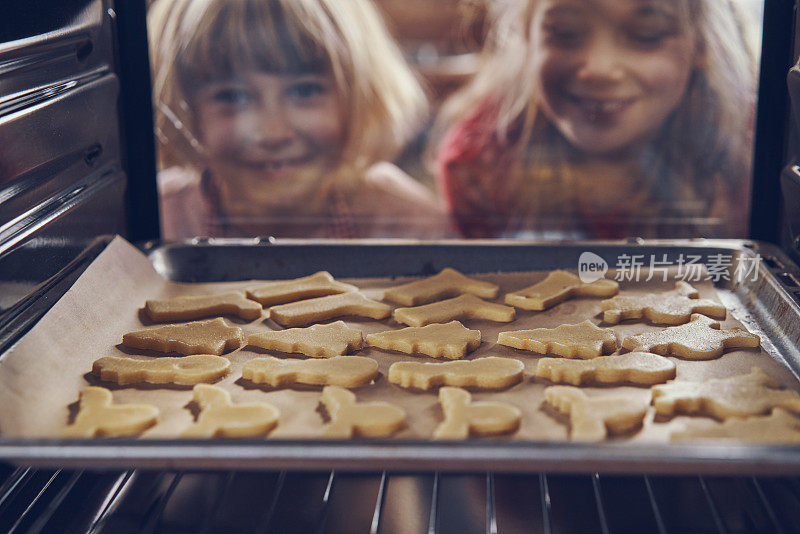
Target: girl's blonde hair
pixel 196 41
pixel 710 124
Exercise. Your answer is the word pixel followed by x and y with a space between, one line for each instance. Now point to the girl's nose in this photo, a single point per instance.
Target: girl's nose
pixel 272 127
pixel 602 60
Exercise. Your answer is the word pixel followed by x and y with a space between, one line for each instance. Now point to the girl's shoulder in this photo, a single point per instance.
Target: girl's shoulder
pixel 397 205
pixel 178 180
pixel 387 180
pixel 183 204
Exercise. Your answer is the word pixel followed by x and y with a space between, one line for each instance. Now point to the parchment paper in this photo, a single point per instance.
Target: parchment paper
pixel 41 376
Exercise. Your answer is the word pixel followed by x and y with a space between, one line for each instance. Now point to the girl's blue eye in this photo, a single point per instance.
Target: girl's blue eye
pixel 232 96
pixel 305 90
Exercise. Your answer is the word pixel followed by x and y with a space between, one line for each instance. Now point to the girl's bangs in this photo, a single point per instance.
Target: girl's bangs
pixel 249 35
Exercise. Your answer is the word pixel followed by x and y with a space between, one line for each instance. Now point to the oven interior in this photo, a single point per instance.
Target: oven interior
pixel 77 162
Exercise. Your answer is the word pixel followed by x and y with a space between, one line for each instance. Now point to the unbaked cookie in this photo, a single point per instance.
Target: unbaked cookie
pixel 701 339
pixel 318 341
pixel 185 370
pixel 593 418
pixel 457 308
pixel 639 368
pixel 97 416
pixel 671 307
pixel 219 417
pixel 463 417
pixel 330 307
pixel 344 371
pixel 737 396
pixel 557 287
pixel 482 373
pixel 213 336
pixel 780 427
pixel 448 283
pixel 282 291
pixel 188 308
pixel 449 340
pixel 349 418
pixel 584 340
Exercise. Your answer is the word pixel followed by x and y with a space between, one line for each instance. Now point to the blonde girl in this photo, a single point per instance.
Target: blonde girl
pixel 277 117
pixel 604 118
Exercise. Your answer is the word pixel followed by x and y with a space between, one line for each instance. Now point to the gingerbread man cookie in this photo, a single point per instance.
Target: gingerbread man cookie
pixel 463 417
pixel 672 307
pixel 349 418
pixel 197 307
pixel 593 418
pixel 737 396
pixel 584 340
pixel 324 308
pixel 318 284
pixel 219 417
pixel 345 371
pixel 318 341
pixel 780 427
pixel 448 283
pixel 482 373
pixel 639 368
pixel 213 336
pixel 701 339
pixel 449 340
pixel 98 417
pixel 458 308
pixel 186 370
pixel 557 287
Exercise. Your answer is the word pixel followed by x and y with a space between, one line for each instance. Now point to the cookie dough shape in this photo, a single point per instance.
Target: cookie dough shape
pixel 188 308
pixel 344 371
pixel 584 340
pixel 186 370
pixel 318 284
pixel 737 396
pixel 482 373
pixel 458 308
pixel 671 307
pixel 98 417
pixel 780 427
pixel 324 308
pixel 449 340
pixel 701 339
pixel 557 287
pixel 318 341
pixel 448 283
pixel 349 418
pixel 219 417
pixel 639 368
pixel 213 336
pixel 593 418
pixel 463 417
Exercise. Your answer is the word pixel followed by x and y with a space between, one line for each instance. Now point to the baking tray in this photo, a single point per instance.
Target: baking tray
pixel 766 301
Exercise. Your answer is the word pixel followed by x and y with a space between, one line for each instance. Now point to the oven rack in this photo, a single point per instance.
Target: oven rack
pixel 59 500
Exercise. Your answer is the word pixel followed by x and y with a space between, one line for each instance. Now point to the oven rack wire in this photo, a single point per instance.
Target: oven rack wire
pixel 36 500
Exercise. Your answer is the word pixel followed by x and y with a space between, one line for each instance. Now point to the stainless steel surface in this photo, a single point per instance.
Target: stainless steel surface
pixel 51 40
pixel 767 306
pixel 62 182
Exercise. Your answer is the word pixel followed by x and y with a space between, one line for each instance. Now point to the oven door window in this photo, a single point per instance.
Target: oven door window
pixel 530 119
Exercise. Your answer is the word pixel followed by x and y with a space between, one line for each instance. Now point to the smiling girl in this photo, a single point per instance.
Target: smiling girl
pixel 605 118
pixel 273 118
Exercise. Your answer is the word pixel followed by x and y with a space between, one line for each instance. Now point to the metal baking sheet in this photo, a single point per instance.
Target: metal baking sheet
pixel 764 301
